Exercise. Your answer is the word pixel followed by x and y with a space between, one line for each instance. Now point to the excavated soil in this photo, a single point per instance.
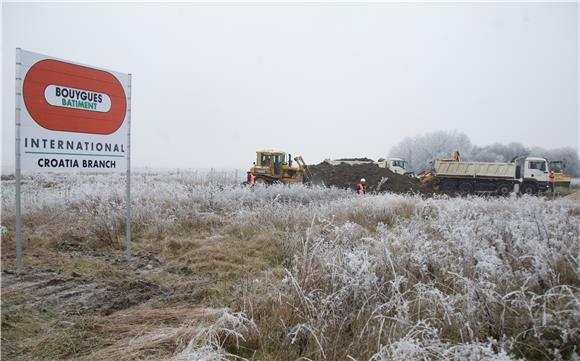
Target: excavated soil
pixel 377 179
pixel 364 159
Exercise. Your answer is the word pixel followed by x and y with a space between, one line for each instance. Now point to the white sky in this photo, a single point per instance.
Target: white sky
pixel 214 83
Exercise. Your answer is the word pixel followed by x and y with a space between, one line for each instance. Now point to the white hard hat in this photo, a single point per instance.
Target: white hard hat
pixel 363 180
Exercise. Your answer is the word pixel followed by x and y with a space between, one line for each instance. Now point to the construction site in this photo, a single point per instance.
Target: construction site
pixel 221 270
pixel 274 267
pixel 529 175
pixel 290 181
pixel 295 261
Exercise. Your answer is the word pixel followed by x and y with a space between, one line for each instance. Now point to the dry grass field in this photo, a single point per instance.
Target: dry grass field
pixel 224 272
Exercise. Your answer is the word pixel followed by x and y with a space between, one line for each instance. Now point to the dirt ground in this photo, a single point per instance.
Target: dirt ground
pixel 377 179
pixel 76 303
pixel 74 295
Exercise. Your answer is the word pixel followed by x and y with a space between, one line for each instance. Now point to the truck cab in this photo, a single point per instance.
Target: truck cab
pixel 533 173
pixel 395 165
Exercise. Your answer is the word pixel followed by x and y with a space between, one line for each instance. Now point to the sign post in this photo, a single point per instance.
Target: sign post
pixel 17 170
pixel 70 118
pixel 128 230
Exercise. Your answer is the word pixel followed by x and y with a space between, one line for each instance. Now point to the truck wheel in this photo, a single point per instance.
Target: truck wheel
pixel 528 188
pixel 466 187
pixel 448 186
pixel 503 189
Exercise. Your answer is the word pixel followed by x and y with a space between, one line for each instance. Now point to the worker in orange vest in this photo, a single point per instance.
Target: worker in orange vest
pixel 552 181
pixel 361 187
pixel 250 179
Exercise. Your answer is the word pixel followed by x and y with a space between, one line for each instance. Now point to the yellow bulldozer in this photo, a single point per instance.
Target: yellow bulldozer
pixel 562 179
pixel 274 167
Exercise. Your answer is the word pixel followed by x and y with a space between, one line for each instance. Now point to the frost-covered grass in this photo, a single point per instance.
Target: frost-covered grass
pixel 444 278
pixel 377 277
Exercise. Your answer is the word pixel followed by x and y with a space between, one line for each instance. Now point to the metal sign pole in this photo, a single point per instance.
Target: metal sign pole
pixel 17 166
pixel 128 190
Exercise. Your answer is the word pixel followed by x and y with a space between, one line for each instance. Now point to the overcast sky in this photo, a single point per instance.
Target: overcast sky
pixel 214 83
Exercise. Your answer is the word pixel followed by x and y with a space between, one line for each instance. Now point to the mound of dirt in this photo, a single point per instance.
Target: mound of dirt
pixel 377 179
pixel 356 159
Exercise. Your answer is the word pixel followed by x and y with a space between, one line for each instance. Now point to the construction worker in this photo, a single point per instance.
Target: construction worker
pixel 361 187
pixel 250 180
pixel 552 181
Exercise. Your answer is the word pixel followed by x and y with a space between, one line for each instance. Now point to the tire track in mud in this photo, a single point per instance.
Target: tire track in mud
pixel 70 295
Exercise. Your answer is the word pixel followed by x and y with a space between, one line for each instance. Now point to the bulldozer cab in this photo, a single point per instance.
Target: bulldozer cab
pixel 557 166
pixel 271 162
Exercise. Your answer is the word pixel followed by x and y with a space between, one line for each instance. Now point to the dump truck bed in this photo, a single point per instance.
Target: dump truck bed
pixel 449 168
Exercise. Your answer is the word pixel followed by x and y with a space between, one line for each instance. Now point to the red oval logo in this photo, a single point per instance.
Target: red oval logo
pixel 74 107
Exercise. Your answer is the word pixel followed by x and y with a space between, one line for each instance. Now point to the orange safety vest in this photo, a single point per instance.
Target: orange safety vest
pixel 552 178
pixel 252 179
pixel 361 188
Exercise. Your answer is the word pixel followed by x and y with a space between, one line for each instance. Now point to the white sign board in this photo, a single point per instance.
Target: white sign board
pixel 73 118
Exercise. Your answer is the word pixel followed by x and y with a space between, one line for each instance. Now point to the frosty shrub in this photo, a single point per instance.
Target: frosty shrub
pixel 210 343
pixel 93 206
pixel 464 278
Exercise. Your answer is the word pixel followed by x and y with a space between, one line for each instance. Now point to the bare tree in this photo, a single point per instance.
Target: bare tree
pixel 499 152
pixel 422 150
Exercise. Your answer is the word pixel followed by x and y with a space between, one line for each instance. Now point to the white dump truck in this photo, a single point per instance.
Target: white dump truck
pixel 524 174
